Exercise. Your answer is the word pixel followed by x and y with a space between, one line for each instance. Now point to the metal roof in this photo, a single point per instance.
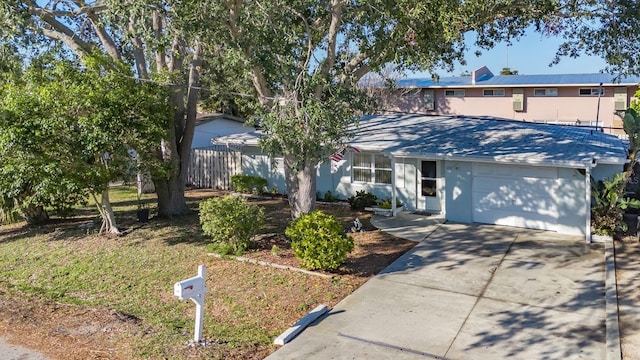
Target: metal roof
pixel 471 138
pixel 520 81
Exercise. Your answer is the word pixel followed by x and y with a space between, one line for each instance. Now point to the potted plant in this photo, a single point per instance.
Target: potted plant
pixel 383 207
pixel 143 210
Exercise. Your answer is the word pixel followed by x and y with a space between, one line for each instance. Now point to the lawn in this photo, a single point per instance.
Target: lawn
pixel 71 293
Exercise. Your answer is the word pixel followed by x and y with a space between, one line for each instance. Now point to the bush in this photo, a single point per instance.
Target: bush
pixel 328 197
pixel 248 184
pixel 386 203
pixel 319 241
pixel 231 222
pixel 607 213
pixel 362 199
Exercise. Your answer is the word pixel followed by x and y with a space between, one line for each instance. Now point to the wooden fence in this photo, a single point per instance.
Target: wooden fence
pixel 212 167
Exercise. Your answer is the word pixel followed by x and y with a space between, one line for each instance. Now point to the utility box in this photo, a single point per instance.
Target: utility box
pixel 620 98
pixel 518 99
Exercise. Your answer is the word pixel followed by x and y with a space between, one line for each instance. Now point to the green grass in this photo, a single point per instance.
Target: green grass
pixel 246 307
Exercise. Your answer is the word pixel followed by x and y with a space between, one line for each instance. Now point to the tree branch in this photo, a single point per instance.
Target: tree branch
pixel 138 51
pixel 161 60
pixel 257 76
pixel 105 38
pixel 334 28
pixel 192 100
pixel 59 31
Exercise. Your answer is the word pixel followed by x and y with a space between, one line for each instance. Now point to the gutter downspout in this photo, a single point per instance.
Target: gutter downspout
pixel 394 210
pixel 587 181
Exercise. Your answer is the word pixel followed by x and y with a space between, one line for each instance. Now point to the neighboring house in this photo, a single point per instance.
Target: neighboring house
pixel 559 99
pixel 470 169
pixel 210 126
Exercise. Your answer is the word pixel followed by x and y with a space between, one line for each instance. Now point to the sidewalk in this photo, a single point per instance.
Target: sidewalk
pixel 13 352
pixel 628 276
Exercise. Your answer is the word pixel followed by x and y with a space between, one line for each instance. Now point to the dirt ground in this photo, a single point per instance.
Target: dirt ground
pixel 67 331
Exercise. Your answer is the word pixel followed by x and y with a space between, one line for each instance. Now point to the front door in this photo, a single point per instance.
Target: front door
pixel 429 185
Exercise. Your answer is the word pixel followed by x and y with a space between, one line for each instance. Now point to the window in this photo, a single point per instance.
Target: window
pixel 428 178
pixel 493 92
pixel 545 92
pixel 590 91
pixel 454 93
pixel 413 93
pixel 371 168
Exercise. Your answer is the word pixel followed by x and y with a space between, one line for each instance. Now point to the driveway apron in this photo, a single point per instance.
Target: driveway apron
pixel 471 292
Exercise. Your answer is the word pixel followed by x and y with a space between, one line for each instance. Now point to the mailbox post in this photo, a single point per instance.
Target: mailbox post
pixel 194 288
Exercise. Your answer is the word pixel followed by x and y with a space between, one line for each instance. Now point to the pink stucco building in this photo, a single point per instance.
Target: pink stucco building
pixel 560 99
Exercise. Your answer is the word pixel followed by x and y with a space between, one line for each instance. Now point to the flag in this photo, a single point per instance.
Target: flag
pixel 353 148
pixel 337 156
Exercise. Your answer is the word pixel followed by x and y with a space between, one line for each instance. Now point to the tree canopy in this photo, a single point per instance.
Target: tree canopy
pixel 68 130
pixel 304 58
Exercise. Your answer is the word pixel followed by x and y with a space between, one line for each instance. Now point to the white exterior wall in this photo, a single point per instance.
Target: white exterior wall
pixel 255 163
pixel 603 171
pixel 568 192
pixel 458 203
pixel 572 207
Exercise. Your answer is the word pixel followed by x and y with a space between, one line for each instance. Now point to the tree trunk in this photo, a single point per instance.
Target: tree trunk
pixel 171 200
pixel 108 217
pixel 301 187
pixel 34 215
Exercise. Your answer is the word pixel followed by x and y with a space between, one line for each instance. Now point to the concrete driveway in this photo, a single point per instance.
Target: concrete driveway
pixel 471 292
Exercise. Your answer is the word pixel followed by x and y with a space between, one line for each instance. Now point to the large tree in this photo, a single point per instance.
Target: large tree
pixel 154 37
pixel 67 133
pixel 304 56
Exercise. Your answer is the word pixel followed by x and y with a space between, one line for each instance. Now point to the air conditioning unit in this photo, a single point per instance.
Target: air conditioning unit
pixel 518 99
pixel 620 99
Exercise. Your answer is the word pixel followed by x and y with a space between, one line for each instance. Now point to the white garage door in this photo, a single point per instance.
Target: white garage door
pixel 522 196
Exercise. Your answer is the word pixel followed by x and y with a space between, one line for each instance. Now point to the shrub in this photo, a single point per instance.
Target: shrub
pixel 248 184
pixel 607 213
pixel 8 213
pixel 386 203
pixel 362 199
pixel 319 241
pixel 328 197
pixel 231 222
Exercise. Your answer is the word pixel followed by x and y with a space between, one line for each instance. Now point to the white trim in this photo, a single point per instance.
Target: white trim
pixel 394 210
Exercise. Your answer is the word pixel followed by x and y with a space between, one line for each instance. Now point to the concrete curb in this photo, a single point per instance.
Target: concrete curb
pixel 614 351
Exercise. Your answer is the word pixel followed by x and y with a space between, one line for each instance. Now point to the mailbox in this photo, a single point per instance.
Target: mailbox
pixel 194 289
pixel 189 288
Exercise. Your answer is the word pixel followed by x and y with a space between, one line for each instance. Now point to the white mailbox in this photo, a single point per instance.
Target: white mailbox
pixel 187 289
pixel 194 289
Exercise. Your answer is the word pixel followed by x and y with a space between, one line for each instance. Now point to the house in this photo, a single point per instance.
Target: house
pixel 468 168
pixel 572 99
pixel 210 126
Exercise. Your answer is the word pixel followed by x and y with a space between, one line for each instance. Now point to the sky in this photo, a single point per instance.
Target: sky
pixel 531 55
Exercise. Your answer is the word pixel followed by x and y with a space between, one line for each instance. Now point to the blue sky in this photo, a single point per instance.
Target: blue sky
pixel 531 55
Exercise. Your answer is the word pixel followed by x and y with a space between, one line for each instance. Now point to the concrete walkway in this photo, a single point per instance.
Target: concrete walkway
pixel 14 352
pixel 628 273
pixel 471 292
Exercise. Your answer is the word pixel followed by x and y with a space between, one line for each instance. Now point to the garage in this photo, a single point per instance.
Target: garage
pixel 521 196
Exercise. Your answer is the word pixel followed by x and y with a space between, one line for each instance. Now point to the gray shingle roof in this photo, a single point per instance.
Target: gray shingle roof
pixel 487 139
pixel 522 80
pixel 472 138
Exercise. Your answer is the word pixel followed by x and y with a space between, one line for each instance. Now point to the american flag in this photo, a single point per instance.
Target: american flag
pixel 337 156
pixel 353 148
